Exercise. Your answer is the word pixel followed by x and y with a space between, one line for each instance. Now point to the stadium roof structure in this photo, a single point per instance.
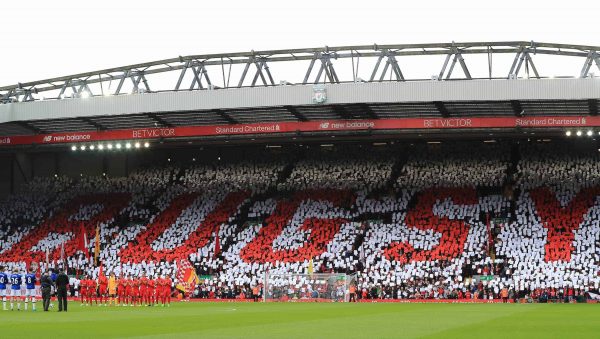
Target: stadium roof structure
pixel 318 85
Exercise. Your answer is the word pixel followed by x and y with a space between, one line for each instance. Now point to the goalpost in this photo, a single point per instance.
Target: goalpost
pixel 317 287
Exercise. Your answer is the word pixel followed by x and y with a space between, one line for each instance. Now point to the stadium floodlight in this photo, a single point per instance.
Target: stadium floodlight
pixel 82 147
pixel 589 133
pixel 146 144
pixel 73 148
pixel 128 145
pixel 92 147
pixel 137 145
pixel 118 146
pixel 578 133
pixel 109 146
pixel 101 147
pixel 568 133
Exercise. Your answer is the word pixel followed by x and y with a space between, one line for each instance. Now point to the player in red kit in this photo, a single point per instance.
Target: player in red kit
pixel 144 290
pixel 135 291
pixel 121 289
pixel 83 290
pixel 90 290
pixel 167 290
pixel 159 290
pixel 128 290
pixel 103 288
pixel 94 290
pixel 153 291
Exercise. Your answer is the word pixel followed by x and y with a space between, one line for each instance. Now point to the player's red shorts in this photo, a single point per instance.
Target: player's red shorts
pixel 83 291
pixel 103 289
pixel 165 292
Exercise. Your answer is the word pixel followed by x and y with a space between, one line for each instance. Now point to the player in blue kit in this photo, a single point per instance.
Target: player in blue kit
pixel 30 281
pixel 15 286
pixel 3 283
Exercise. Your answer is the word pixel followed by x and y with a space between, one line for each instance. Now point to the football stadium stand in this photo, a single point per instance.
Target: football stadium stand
pixel 455 220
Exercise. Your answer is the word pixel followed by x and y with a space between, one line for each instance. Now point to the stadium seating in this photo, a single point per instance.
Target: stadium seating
pixel 425 221
pixel 554 240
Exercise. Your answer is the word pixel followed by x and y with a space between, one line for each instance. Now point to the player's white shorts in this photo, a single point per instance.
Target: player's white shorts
pixel 15 293
pixel 3 293
pixel 30 292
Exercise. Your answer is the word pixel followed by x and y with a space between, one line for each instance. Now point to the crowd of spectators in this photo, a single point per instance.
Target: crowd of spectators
pixel 428 221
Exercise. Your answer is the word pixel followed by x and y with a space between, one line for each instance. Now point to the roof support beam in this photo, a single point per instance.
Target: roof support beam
pixel 523 56
pixel 77 86
pixel 390 62
pixel 262 69
pixel 457 58
pixel 136 77
pixel 322 59
pixel 199 71
pixel 261 65
pixel 593 57
pixel 326 68
pixel 8 97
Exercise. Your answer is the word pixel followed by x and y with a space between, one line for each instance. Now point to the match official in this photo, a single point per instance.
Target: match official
pixel 62 281
pixel 46 284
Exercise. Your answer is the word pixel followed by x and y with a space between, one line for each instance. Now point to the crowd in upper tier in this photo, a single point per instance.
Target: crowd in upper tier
pixel 422 221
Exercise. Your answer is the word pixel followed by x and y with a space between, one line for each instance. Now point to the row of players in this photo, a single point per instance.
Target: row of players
pixel 15 281
pixel 127 290
pixel 102 291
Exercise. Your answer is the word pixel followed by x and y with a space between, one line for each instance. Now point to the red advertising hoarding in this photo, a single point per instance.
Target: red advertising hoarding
pixel 310 126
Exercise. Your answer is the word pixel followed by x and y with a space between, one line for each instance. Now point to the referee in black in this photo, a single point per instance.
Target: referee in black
pixel 46 284
pixel 62 281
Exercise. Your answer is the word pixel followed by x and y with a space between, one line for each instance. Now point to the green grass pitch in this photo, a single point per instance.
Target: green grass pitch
pixel 309 320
